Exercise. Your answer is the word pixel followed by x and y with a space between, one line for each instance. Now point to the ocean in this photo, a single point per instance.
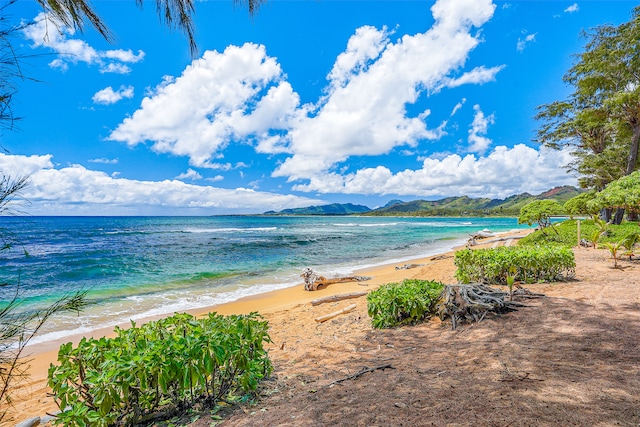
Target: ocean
pixel 137 267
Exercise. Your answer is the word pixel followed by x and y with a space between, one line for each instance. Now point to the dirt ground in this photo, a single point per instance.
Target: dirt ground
pixel 570 359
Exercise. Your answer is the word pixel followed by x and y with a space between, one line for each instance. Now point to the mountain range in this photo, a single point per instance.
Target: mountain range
pixel 450 206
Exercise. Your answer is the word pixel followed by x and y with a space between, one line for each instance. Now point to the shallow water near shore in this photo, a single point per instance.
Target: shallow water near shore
pixel 139 267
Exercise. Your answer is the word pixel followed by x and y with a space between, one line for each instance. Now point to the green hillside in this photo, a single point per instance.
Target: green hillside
pixel 466 206
pixel 332 209
pixel 450 206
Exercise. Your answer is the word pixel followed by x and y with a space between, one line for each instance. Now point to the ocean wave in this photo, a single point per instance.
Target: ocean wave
pixel 228 230
pixel 162 305
pixel 353 224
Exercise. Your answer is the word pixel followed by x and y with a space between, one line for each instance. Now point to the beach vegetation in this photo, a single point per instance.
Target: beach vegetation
pixel 629 243
pixel 405 303
pixel 614 248
pixel 540 212
pixel 596 229
pixel 159 369
pixel 528 264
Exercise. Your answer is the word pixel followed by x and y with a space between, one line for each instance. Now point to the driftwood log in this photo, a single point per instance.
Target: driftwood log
pixel 472 303
pixel 335 313
pixel 312 280
pixel 335 298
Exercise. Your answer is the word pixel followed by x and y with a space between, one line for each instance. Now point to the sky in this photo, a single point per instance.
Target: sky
pixel 308 102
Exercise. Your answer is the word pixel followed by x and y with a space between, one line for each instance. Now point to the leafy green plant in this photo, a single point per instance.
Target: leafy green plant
pixel 161 366
pixel 613 249
pixel 629 243
pixel 409 302
pixel 527 263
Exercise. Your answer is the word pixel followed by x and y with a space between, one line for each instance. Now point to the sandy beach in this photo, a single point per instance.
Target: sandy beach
pixel 315 354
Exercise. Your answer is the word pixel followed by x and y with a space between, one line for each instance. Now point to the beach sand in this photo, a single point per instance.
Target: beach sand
pixel 518 369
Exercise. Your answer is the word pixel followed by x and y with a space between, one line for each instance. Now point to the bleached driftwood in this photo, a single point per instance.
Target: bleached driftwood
pixel 408 266
pixel 312 280
pixel 439 257
pixel 335 313
pixel 334 298
pixel 473 302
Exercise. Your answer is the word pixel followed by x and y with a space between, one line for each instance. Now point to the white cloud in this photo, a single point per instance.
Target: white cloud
pixel 218 98
pixel 573 8
pixel 478 76
pixel 241 95
pixel 503 172
pixel 75 190
pixel 189 174
pixel 362 49
pixel 528 39
pixel 108 96
pixel 458 106
pixel 478 142
pixel 365 115
pixel 104 160
pixel 17 165
pixel 47 33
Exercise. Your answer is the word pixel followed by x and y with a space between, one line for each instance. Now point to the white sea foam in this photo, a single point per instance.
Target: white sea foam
pixel 352 224
pixel 228 230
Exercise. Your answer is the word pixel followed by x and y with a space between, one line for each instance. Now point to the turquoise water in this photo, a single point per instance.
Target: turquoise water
pixel 136 267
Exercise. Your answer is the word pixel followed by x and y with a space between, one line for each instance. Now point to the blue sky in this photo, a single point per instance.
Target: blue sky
pixel 308 102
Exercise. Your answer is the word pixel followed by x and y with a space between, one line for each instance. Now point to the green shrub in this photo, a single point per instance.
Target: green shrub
pixel 165 365
pixel 409 302
pixel 529 264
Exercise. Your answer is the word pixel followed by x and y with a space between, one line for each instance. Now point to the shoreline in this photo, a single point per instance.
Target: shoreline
pixel 31 398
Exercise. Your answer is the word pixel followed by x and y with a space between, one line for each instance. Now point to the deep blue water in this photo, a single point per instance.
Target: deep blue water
pixel 133 267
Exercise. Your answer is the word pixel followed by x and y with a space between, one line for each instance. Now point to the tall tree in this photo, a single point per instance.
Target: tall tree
pixel 604 109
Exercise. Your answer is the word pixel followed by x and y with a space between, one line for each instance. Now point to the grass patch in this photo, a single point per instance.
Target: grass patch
pixel 567 233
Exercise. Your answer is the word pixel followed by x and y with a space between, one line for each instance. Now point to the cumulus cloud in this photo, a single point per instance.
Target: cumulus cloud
pixel 478 142
pixel 51 34
pixel 503 172
pixel 76 190
pixel 365 114
pixel 523 43
pixel 219 98
pixel 189 174
pixel 241 95
pixel 109 96
pixel 573 8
